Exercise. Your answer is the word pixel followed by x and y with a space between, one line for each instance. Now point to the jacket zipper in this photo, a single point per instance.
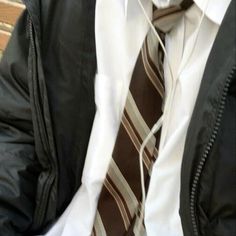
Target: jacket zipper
pixel 39 218
pixel 206 152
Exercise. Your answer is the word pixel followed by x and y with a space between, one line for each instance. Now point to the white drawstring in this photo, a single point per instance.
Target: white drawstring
pixel 159 123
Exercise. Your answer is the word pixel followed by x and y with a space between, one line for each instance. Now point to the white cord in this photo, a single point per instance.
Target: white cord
pixel 154 129
pixel 159 123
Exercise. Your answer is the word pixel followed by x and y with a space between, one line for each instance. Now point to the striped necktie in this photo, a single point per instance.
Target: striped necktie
pixel 119 205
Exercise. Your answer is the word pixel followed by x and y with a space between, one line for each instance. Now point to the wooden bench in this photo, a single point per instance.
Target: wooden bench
pixel 9 13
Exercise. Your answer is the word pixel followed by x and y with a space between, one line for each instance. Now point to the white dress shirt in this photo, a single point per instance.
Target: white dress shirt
pixel 120 28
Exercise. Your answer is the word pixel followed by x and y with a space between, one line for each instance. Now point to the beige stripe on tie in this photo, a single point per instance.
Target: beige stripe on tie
pixel 139 230
pixel 99 229
pixel 155 56
pixel 136 142
pixel 138 122
pixel 151 74
pixel 120 202
pixel 123 187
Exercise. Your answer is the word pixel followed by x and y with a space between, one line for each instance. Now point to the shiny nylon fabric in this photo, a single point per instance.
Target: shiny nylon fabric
pixel 39 93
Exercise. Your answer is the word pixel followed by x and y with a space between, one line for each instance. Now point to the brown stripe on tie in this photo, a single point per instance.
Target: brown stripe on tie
pixel 114 203
pixel 152 72
pixel 147 99
pixel 136 143
pixel 157 69
pixel 149 151
pixel 137 118
pixel 139 128
pixel 148 157
pixel 128 160
pixel 123 187
pixel 120 201
pixel 94 232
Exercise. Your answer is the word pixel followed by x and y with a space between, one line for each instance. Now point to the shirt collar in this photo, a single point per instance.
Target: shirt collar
pixel 215 11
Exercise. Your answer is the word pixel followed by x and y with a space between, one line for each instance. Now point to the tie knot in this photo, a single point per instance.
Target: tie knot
pixel 164 19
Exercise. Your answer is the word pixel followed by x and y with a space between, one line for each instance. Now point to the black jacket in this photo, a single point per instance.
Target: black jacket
pixel 47 109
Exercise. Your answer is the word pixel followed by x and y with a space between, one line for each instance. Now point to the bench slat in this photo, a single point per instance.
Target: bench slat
pixel 4 37
pixel 9 12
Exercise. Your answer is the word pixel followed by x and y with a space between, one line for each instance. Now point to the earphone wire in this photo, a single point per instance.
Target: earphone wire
pixel 158 124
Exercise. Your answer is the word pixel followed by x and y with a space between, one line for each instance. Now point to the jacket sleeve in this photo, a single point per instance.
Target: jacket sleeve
pixel 19 167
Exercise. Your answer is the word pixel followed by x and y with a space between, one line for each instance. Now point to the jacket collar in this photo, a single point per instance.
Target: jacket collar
pixel 220 64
